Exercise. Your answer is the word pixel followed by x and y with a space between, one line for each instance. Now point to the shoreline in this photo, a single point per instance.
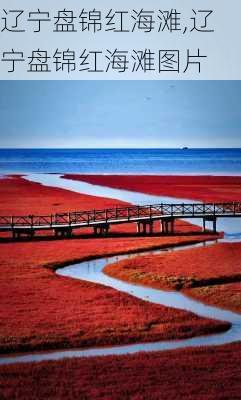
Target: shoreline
pixel 26 256
pixel 45 254
pixel 142 174
pixel 194 279
pixel 202 188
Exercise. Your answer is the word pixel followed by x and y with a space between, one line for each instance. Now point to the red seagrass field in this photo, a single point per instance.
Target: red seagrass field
pixel 40 310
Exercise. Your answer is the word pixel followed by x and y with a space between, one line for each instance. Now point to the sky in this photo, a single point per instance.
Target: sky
pixel 120 114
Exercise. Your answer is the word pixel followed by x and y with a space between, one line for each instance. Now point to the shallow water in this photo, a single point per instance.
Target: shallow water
pixel 92 271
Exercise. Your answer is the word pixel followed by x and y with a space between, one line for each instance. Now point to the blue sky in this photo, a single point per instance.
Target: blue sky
pixel 122 114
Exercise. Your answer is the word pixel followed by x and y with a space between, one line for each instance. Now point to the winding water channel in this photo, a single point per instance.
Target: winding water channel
pixel 92 271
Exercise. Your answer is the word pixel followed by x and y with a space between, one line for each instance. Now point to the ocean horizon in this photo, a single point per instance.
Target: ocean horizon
pixel 186 161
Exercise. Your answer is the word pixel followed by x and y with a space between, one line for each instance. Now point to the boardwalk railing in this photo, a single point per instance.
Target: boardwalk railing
pixel 78 219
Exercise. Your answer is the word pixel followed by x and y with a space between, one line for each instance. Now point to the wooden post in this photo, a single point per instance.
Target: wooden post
pixel 161 225
pixel 106 229
pixel 164 228
pixel 215 225
pixel 31 220
pixel 172 225
pixel 204 224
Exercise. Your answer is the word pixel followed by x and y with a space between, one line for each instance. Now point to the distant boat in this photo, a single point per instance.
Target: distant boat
pixel 185 148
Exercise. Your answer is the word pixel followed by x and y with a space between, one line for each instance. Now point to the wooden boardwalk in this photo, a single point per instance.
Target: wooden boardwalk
pixel 63 224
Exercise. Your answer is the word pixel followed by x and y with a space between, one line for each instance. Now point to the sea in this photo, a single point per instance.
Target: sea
pixel 122 161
